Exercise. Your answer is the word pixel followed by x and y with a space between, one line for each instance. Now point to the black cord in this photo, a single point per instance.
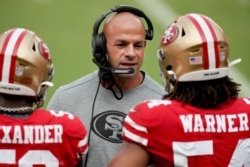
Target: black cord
pixel 110 87
pixel 92 113
pixel 114 92
pixel 108 82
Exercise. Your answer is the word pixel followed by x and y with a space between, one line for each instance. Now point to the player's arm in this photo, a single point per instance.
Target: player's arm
pixel 130 155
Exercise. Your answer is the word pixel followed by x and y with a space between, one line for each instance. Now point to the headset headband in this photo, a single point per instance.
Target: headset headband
pixel 125 8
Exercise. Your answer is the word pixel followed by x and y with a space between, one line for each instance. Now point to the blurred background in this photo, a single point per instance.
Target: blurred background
pixel 66 26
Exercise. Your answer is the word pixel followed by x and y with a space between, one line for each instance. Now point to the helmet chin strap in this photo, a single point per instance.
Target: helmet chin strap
pixel 169 80
pixel 232 63
pixel 47 83
pixel 42 94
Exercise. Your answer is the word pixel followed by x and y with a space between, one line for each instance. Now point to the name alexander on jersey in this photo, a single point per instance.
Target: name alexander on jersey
pixel 31 134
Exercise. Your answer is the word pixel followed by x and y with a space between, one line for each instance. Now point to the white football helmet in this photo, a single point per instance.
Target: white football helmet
pixel 25 64
pixel 193 48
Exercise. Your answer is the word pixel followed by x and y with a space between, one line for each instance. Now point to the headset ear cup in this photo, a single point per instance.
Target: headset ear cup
pixel 149 34
pixel 99 47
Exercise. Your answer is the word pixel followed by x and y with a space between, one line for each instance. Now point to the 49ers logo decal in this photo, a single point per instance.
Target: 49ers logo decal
pixel 44 50
pixel 169 35
pixel 108 125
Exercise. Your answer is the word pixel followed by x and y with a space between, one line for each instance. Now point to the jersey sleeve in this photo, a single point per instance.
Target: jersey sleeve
pixel 140 120
pixel 75 131
pixel 79 133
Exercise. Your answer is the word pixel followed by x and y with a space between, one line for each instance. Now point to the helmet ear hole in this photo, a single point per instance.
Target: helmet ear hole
pixel 169 67
pixel 183 33
pixel 34 47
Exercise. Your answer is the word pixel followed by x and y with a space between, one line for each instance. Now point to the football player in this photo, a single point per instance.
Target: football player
pixel 30 135
pixel 202 121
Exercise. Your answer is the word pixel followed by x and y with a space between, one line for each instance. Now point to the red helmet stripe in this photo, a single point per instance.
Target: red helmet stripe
pixel 9 52
pixel 203 38
pixel 2 53
pixel 209 41
pixel 15 50
pixel 216 49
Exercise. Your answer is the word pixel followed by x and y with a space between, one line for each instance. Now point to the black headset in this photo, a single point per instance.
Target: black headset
pixel 98 39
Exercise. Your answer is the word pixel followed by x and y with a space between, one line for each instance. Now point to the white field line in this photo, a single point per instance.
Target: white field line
pixel 244 3
pixel 164 14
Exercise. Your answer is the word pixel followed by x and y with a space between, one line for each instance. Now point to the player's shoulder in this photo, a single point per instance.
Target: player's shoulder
pixel 58 117
pixel 243 101
pixel 149 111
pixel 154 103
pixel 152 106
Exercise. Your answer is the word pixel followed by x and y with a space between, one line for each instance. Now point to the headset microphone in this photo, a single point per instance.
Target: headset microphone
pixel 122 70
pixel 115 70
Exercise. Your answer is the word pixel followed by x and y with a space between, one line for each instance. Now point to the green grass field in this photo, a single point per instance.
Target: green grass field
pixel 66 26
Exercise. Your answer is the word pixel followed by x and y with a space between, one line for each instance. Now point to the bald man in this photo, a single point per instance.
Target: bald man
pixel 103 98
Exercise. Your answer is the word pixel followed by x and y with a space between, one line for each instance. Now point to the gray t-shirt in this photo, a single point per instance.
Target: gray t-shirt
pixel 107 113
